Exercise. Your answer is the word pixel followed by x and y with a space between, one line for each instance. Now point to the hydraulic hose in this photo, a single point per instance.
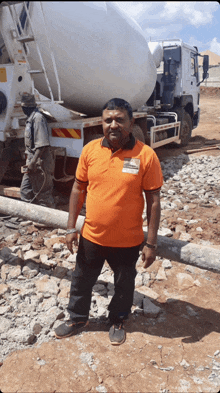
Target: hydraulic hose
pixel 38 193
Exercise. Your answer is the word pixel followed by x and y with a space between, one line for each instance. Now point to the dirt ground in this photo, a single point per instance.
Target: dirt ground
pixel 179 351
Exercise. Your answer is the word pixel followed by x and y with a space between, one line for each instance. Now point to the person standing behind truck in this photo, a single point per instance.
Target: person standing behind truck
pixel 114 171
pixel 37 182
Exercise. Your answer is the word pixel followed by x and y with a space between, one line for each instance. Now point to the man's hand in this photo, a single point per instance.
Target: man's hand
pixel 31 167
pixel 70 239
pixel 148 256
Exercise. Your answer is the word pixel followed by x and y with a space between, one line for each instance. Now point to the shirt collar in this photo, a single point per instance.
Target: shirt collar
pixel 128 146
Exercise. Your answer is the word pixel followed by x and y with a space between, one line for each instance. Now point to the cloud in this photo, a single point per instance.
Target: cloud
pixel 134 8
pixel 162 20
pixel 193 41
pixel 195 13
pixel 215 46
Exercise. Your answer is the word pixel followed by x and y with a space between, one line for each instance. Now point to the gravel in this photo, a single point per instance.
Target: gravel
pixel 35 279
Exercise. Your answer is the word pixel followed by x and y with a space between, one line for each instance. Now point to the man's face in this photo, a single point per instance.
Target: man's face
pixel 116 126
pixel 27 110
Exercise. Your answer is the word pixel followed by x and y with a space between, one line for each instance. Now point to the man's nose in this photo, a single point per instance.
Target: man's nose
pixel 114 124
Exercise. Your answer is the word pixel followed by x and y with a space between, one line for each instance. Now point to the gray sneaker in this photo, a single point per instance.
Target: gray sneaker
pixel 117 334
pixel 69 328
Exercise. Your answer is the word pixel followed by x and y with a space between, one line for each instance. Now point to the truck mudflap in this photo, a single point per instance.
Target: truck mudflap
pixel 164 134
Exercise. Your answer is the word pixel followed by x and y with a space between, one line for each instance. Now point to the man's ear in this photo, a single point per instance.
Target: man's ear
pixel 132 121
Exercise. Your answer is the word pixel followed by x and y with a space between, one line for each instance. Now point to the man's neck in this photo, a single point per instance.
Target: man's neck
pixel 120 144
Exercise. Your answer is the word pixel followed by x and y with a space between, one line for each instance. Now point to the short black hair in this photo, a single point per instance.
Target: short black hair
pixel 118 103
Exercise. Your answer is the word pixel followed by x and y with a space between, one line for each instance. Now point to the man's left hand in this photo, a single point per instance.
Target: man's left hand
pixel 148 256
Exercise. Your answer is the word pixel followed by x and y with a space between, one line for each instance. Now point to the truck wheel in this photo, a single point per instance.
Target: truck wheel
pixel 185 128
pixel 138 133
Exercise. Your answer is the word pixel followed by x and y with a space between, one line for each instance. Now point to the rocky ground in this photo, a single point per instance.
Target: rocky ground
pixel 170 310
pixel 173 333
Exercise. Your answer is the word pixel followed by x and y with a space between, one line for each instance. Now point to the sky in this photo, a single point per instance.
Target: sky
pixel 195 22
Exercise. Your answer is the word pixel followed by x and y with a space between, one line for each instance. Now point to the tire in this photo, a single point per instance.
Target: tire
pixel 185 127
pixel 138 133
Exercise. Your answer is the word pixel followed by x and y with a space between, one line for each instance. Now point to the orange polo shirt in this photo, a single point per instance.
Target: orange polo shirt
pixel 116 181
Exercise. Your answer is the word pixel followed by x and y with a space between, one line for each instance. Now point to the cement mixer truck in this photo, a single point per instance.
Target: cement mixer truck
pixel 75 56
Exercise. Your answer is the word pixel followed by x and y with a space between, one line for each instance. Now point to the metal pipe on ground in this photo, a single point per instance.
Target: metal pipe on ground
pixel 203 257
pixel 36 213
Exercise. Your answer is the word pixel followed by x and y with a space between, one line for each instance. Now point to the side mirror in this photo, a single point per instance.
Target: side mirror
pixel 205 67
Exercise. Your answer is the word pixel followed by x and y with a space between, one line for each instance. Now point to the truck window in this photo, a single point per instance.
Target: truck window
pixel 193 68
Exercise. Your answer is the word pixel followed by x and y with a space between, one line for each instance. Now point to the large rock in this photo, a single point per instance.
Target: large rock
pixel 14 272
pixel 23 336
pixel 5 253
pixel 150 310
pixel 31 255
pixel 138 299
pixel 185 280
pixel 5 270
pixel 47 304
pixel 4 309
pixel 45 284
pixel 30 270
pixel 5 324
pixel 148 292
pixel 161 275
pixel 4 289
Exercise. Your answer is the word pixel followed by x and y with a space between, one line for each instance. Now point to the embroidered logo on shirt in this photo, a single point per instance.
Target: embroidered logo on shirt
pixel 131 165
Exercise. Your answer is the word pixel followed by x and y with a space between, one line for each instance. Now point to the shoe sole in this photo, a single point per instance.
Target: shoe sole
pixel 117 343
pixel 77 331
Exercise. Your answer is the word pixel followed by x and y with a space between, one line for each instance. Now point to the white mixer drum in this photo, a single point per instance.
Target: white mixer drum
pixel 157 52
pixel 100 54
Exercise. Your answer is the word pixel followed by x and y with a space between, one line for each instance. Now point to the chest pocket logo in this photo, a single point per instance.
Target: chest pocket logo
pixel 131 165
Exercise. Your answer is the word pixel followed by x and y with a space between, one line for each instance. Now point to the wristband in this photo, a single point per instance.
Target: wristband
pixel 153 246
pixel 69 231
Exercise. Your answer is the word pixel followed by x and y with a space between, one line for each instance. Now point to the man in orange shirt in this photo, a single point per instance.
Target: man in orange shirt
pixel 114 171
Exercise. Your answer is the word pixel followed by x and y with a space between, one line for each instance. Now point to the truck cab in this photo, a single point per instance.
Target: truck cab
pixel 177 88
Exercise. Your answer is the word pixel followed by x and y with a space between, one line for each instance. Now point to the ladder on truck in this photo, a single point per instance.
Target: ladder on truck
pixel 22 23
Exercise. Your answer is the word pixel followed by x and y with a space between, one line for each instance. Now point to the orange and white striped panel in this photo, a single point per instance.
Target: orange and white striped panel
pixel 66 133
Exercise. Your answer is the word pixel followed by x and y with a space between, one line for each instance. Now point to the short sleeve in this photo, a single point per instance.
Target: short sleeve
pixel 82 167
pixel 153 176
pixel 41 134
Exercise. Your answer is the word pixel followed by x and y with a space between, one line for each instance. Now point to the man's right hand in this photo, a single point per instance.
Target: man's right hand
pixel 70 239
pixel 32 167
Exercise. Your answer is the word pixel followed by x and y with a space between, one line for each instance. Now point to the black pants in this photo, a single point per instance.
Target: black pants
pixel 89 263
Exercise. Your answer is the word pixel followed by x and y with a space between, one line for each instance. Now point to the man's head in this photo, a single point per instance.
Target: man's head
pixel 117 121
pixel 28 103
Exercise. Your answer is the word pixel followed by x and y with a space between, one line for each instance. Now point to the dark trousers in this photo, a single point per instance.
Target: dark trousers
pixel 89 263
pixel 38 185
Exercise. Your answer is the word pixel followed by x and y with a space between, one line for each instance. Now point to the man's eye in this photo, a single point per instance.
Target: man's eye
pixel 119 120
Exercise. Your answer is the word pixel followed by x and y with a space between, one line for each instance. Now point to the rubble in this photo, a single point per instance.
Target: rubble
pixel 36 270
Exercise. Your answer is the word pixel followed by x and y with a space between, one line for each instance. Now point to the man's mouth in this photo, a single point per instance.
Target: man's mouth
pixel 115 132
